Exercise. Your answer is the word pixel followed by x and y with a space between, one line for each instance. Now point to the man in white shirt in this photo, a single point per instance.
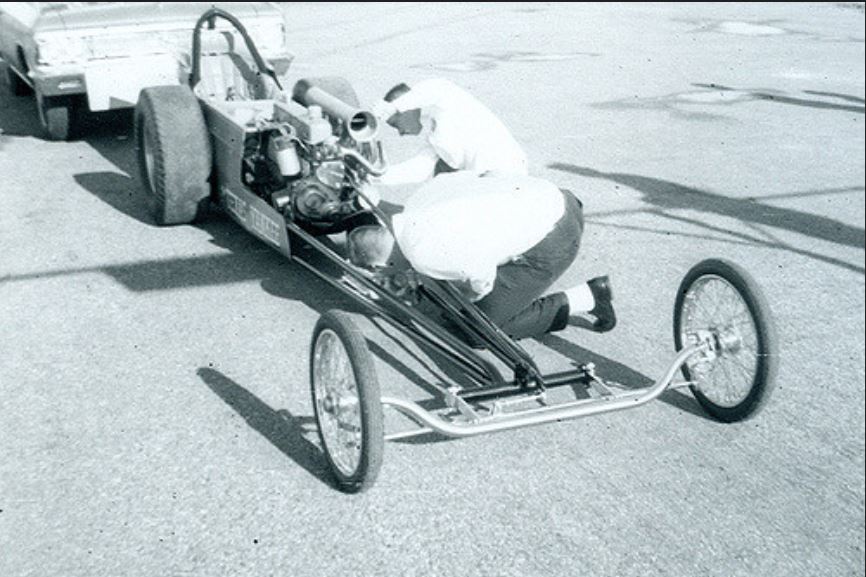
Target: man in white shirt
pixel 463 134
pixel 503 240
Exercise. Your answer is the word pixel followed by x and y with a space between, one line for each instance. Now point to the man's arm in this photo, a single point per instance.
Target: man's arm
pixel 413 171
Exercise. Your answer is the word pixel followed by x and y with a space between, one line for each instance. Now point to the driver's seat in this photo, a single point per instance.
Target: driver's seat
pixel 228 71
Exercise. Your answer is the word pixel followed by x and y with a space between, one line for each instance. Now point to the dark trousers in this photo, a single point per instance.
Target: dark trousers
pixel 515 304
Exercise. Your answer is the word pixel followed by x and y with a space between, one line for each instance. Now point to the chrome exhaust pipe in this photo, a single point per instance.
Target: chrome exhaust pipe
pixel 360 124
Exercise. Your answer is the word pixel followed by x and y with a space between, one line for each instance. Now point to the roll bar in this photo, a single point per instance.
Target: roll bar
pixel 210 17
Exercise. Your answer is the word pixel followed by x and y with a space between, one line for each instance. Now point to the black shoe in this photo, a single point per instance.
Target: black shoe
pixel 605 316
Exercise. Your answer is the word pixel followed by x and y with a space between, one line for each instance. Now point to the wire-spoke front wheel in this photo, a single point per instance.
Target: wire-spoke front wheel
pixel 719 304
pixel 346 401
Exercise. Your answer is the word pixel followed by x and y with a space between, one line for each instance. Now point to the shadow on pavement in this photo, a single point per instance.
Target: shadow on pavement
pixel 682 104
pixel 18 116
pixel 413 377
pixel 847 97
pixel 408 373
pixel 119 191
pixel 111 135
pixel 284 431
pixel 666 195
pixel 782 98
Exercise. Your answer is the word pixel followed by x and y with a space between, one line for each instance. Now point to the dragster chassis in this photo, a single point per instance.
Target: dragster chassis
pixel 192 148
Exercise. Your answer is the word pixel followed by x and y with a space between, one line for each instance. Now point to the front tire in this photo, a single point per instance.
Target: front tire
pixel 722 302
pixel 174 153
pixel 346 402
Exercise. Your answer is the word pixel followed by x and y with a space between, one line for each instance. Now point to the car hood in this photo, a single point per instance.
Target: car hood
pixel 182 15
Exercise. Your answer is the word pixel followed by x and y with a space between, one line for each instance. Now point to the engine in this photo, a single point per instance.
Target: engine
pixel 311 159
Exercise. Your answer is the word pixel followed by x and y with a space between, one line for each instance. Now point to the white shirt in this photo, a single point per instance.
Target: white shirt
pixel 462 132
pixel 461 227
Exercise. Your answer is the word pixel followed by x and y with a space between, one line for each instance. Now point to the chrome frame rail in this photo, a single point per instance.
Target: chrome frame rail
pixel 429 422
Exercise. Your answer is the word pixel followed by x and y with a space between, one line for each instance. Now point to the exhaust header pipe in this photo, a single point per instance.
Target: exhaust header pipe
pixel 361 125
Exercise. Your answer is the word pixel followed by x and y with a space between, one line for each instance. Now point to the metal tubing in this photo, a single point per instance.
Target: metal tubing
pixel 478 325
pixel 472 371
pixel 375 170
pixel 581 408
pixel 486 329
pixel 210 16
pixel 565 378
pixel 513 388
pixel 408 434
pixel 360 124
pixel 486 393
pixel 480 369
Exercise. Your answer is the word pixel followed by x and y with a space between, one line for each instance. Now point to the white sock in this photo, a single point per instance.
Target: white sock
pixel 580 299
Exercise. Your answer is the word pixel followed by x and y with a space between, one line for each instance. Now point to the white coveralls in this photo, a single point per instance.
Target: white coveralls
pixel 462 132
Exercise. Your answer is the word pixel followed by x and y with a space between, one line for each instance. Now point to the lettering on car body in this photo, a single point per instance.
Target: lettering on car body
pixel 255 220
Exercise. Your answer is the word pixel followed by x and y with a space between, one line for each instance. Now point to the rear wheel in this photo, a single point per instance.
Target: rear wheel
pixel 174 153
pixel 16 85
pixel 57 115
pixel 720 304
pixel 346 402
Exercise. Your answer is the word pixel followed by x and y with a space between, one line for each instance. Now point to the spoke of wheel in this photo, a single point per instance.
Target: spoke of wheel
pixel 717 301
pixel 746 372
pixel 701 305
pixel 731 389
pixel 716 305
pixel 335 382
pixel 696 313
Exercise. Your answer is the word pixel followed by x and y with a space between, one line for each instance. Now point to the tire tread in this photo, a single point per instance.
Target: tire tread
pixel 182 155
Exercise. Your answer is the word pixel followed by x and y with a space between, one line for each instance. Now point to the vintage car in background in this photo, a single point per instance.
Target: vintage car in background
pixel 78 56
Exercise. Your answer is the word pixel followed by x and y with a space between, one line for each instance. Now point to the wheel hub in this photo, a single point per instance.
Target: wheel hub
pixel 729 341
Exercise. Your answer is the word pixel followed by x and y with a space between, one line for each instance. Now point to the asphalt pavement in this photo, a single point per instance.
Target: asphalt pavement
pixel 156 415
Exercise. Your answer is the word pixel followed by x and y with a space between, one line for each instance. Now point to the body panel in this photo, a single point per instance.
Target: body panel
pixel 228 125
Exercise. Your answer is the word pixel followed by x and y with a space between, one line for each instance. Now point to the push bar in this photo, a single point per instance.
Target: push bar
pixel 537 416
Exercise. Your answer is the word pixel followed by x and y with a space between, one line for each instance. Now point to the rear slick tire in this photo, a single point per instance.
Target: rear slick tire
pixel 174 153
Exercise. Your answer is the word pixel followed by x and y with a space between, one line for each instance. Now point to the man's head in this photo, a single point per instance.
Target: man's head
pixel 404 121
pixel 373 247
